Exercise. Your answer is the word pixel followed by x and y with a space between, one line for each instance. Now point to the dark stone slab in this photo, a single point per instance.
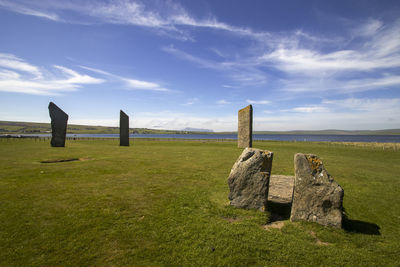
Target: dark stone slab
pixel 123 129
pixel 245 127
pixel 59 121
pixel 316 197
pixel 249 179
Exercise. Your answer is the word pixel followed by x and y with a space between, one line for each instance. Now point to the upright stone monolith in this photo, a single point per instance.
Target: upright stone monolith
pixel 59 121
pixel 245 127
pixel 316 196
pixel 123 129
pixel 249 179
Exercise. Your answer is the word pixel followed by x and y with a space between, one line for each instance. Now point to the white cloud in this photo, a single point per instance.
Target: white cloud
pixel 368 28
pixel 258 102
pixel 24 9
pixel 76 78
pixel 223 102
pixel 168 16
pixel 379 50
pixel 130 83
pixel 19 76
pixel 241 72
pixel 8 61
pixel 174 120
pixel 378 105
pixel 309 109
pixel 143 85
pixel 191 101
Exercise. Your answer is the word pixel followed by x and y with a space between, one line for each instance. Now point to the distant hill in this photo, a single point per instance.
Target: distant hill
pixel 335 132
pixel 14 127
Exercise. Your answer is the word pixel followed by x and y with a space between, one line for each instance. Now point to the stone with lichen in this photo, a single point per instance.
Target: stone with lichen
pixel 249 179
pixel 316 196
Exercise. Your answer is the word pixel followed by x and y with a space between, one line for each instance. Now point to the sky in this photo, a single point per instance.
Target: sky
pixel 303 65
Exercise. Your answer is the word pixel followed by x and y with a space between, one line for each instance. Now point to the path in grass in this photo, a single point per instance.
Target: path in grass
pixel 165 203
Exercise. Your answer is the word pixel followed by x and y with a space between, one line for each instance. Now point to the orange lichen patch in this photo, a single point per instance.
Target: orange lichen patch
pixel 246 108
pixel 315 163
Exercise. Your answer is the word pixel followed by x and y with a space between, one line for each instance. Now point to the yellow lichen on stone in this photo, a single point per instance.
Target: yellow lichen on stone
pixel 315 163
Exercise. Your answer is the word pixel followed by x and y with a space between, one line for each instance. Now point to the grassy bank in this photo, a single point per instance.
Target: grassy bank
pixel 165 203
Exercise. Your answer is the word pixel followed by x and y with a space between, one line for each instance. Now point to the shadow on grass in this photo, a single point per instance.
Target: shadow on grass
pixel 360 227
pixel 279 211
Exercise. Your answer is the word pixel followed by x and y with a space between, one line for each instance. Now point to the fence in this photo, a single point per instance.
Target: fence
pixel 375 145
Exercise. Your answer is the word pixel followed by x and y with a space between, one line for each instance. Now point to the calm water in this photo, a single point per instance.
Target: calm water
pixel 276 137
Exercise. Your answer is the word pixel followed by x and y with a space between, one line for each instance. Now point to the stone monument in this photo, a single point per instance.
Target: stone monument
pixel 123 129
pixel 249 179
pixel 58 125
pixel 316 197
pixel 245 127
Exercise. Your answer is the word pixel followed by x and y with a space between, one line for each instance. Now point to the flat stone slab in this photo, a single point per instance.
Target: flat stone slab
pixel 281 189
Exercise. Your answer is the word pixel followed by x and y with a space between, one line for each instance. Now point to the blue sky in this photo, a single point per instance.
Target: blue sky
pixel 303 65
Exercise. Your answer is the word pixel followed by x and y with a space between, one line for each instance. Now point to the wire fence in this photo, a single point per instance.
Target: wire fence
pixel 375 145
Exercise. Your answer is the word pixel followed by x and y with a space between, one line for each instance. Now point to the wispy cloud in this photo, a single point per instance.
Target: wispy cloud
pixel 191 101
pixel 378 105
pixel 258 102
pixel 168 16
pixel 23 8
pixel 243 73
pixel 309 109
pixel 8 61
pixel 364 56
pixel 223 102
pixel 19 76
pixel 130 83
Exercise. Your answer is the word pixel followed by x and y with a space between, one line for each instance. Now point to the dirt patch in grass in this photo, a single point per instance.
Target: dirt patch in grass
pixel 274 225
pixel 317 241
pixel 230 219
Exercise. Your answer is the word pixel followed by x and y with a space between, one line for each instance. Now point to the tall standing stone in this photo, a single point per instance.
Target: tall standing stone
pixel 59 121
pixel 316 197
pixel 123 129
pixel 245 127
pixel 249 179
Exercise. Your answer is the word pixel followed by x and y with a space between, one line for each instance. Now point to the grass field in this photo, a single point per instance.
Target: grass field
pixel 165 203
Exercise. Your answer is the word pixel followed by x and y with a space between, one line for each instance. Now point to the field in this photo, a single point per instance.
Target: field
pixel 165 203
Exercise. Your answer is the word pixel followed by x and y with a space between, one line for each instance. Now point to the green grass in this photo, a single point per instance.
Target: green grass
pixel 165 203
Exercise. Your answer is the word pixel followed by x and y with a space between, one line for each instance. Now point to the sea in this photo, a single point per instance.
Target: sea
pixel 266 137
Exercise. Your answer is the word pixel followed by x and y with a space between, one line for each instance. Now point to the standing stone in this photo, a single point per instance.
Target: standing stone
pixel 123 129
pixel 245 127
pixel 316 197
pixel 58 125
pixel 249 179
